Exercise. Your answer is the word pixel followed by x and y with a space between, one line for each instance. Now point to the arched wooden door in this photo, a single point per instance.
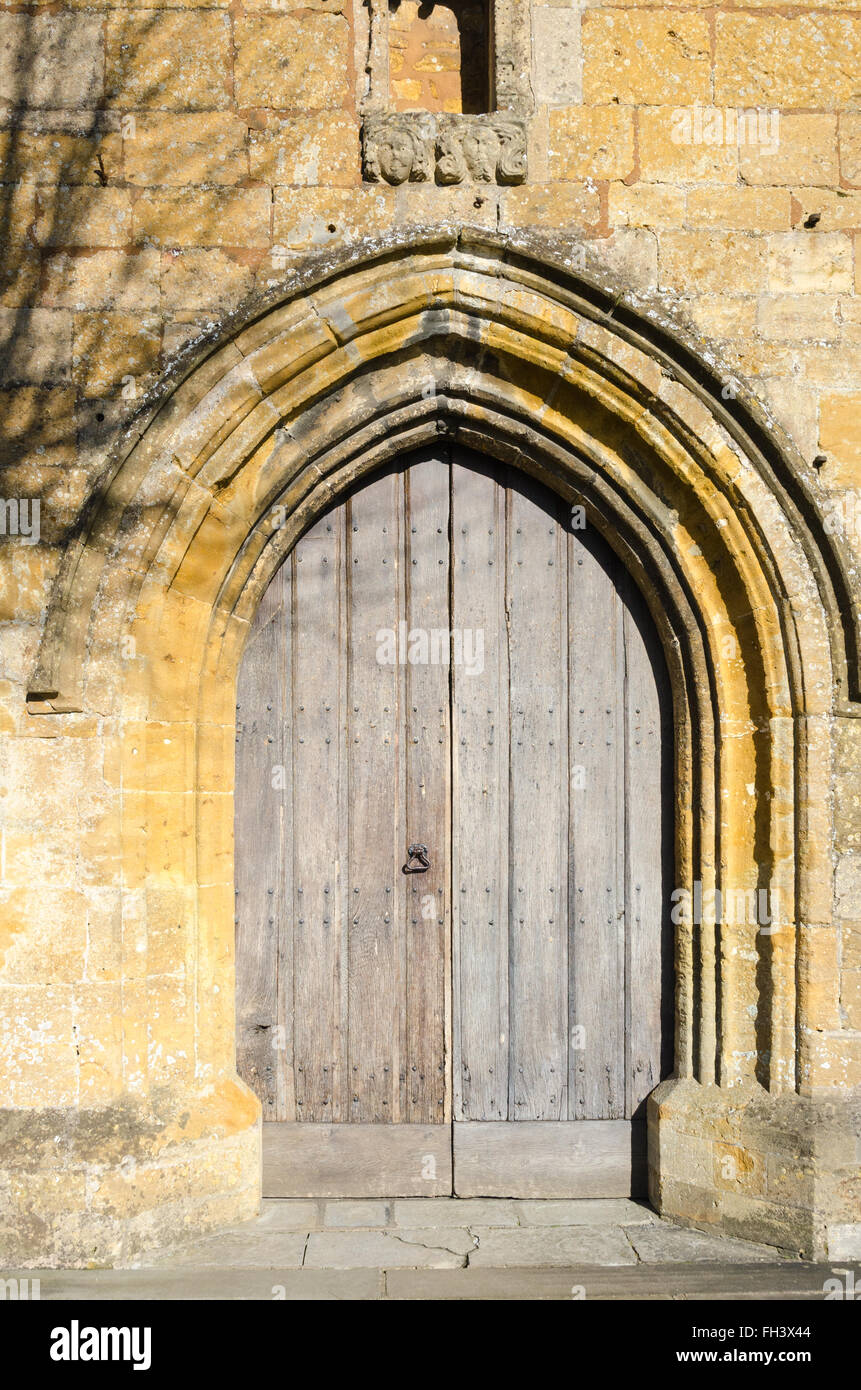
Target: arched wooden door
pixel 452 848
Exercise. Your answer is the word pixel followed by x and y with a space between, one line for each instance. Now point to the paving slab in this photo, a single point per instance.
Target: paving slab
pixel 784 1282
pixel 345 1214
pixel 455 1211
pixel 434 1248
pixel 200 1284
pixel 593 1212
pixel 660 1244
pixel 289 1214
pixel 551 1245
pixel 239 1249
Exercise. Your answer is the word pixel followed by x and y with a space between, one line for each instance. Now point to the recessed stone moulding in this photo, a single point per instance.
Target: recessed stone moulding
pixel 418 147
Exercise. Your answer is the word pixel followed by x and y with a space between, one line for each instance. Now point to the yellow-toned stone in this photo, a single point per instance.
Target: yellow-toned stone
pixel 60 158
pixel 850 146
pixel 168 60
pixel 645 205
pixel 188 148
pixel 805 262
pixel 803 152
pixel 673 149
pixel 707 262
pixel 290 63
pixel 204 217
pixel 83 217
pixel 800 317
pixel 194 279
pixel 840 434
pixel 309 218
pixel 100 279
pixel 19 277
pixel 37 419
pixel 645 56
pixel 316 150
pixel 570 206
pixel 38 345
pixel 591 142
pixel 779 60
pixel 834 210
pixel 740 209
pixel 112 351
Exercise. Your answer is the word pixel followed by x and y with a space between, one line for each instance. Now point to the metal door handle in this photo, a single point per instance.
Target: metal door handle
pixel 419 852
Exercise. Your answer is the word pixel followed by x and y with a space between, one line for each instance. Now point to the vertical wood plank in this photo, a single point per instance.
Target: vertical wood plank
pixel 536 608
pixel 647 745
pixel 480 734
pixel 317 790
pixel 425 898
pixel 596 885
pixel 376 1004
pixel 263 810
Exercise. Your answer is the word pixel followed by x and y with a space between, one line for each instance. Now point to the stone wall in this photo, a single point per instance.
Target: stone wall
pixel 166 171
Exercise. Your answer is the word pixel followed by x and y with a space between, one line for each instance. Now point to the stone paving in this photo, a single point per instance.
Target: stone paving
pixel 447 1248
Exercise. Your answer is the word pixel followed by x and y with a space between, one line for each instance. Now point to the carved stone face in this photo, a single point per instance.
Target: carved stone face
pixel 450 163
pixel 481 148
pixel 396 154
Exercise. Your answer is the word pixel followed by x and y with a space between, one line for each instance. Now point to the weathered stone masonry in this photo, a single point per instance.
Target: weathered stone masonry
pixel 213 306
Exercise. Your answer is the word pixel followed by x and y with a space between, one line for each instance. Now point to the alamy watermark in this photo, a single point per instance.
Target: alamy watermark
pixel 437 646
pixel 19 516
pixel 719 125
pixel 758 907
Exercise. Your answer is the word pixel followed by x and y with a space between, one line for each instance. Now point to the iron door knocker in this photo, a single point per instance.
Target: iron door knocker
pixel 419 852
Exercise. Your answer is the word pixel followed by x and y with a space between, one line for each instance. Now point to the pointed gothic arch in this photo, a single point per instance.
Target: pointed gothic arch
pixel 500 347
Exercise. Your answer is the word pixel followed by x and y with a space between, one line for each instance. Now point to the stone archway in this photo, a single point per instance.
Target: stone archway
pixel 506 351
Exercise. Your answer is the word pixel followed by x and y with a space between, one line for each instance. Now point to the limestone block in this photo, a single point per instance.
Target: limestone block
pixel 777 61
pixel 739 209
pixel 630 255
pixel 187 148
pixel 51 60
pixel 103 279
pixel 35 345
pixel 290 63
pixel 673 149
pixel 204 217
pixel 645 205
pixel 322 149
pixel 840 436
pixel 850 146
pixel 806 263
pixel 706 261
pixel 309 218
pixel 204 280
pixel 645 57
pixel 798 316
pixel 57 157
pixel 805 153
pixel 557 61
pixel 566 206
pixel 167 60
pixel 83 217
pixel 591 142
pixel 113 351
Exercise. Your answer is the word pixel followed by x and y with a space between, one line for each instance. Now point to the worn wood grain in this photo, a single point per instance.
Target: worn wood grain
pixel 597 846
pixel 358 1160
pixel 425 896
pixel 263 885
pixel 522 984
pixel 573 1158
pixel 481 802
pixel 537 634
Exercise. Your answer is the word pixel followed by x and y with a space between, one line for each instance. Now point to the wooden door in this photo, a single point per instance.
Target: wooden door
pixel 442 661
